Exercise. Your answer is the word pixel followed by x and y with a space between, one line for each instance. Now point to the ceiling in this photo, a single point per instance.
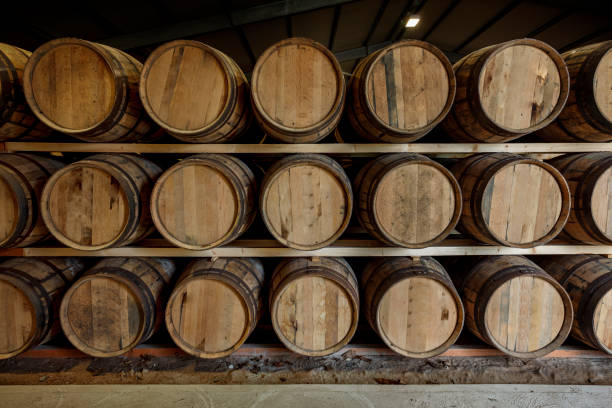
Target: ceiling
pixel 351 29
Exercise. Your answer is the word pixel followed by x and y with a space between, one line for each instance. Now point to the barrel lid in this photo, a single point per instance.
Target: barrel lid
pixel 415 203
pixel 102 316
pixel 207 318
pixel 602 83
pixel 525 314
pixel 602 321
pixel 520 85
pixel 601 200
pixel 85 205
pixel 71 86
pixel 10 210
pixel 186 86
pixel 194 205
pixel 523 202
pixel 313 315
pixel 17 320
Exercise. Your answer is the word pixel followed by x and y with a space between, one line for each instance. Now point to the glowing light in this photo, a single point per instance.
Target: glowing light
pixel 412 21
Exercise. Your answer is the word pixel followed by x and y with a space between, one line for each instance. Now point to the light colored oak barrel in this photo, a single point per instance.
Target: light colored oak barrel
pixel 22 178
pixel 86 90
pixel 514 305
pixel 204 201
pixel 195 92
pixel 297 91
pixel 511 200
pixel 588 281
pixel 16 119
pixel 412 304
pixel 407 200
pixel 30 293
pixel 215 305
pixel 100 202
pixel 116 305
pixel 506 91
pixel 587 116
pixel 589 176
pixel 306 201
pixel 399 93
pixel 314 304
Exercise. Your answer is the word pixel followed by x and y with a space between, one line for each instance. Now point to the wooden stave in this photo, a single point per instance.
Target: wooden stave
pixel 27 175
pixel 476 282
pixel 308 158
pixel 580 121
pixel 467 104
pixel 237 115
pixel 137 189
pixel 245 188
pixel 316 132
pixel 582 170
pixel 358 110
pixel 333 268
pixel 147 278
pixel 43 281
pixel 127 121
pixel 381 274
pixel 373 172
pixel 16 119
pixel 475 226
pixel 249 287
pixel 586 284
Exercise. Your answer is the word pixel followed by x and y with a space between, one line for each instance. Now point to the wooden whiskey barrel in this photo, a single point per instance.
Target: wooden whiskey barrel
pixel 306 201
pixel 588 281
pixel 115 305
pixel 101 201
pixel 30 292
pixel 511 200
pixel 215 305
pixel 506 91
pixel 407 199
pixel 412 304
pixel 297 91
pixel 514 305
pixel 587 116
pixel 195 92
pixel 204 201
pixel 399 93
pixel 314 304
pixel 22 178
pixel 16 119
pixel 86 90
pixel 589 176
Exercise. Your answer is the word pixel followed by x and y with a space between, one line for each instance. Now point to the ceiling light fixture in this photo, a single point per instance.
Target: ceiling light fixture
pixel 412 21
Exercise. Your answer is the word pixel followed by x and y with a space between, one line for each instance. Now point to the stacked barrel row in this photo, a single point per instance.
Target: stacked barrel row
pixel 298 93
pixel 416 306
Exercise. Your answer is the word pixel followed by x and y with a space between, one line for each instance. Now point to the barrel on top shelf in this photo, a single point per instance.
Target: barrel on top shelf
pixel 16 119
pixel 511 200
pixel 22 178
pixel 116 305
pixel 30 293
pixel 399 93
pixel 306 201
pixel 588 281
pixel 506 91
pixel 297 91
pixel 204 201
pixel 195 92
pixel 314 304
pixel 407 200
pixel 101 201
pixel 587 116
pixel 215 305
pixel 412 304
pixel 513 304
pixel 86 90
pixel 589 176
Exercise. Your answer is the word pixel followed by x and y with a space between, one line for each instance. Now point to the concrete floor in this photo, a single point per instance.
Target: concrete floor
pixel 303 396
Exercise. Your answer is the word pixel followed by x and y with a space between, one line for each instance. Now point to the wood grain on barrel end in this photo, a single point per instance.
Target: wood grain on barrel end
pixel 602 82
pixel 17 320
pixel 601 203
pixel 602 321
pixel 9 211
